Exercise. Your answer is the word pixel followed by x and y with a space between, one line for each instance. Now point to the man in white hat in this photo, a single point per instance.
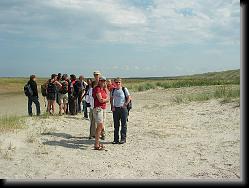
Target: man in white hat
pixel 96 75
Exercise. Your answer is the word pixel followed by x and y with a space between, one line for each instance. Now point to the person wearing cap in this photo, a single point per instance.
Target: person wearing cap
pixel 120 98
pixel 100 100
pixel 97 75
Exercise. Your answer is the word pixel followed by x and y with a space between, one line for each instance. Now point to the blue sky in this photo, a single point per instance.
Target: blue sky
pixel 126 38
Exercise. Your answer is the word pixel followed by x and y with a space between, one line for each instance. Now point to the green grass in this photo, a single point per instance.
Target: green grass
pixel 165 84
pixel 230 77
pixel 227 93
pixel 216 78
pixel 11 123
pixel 15 85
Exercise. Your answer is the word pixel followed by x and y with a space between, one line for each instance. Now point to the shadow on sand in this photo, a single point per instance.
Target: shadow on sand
pixel 74 117
pixel 70 141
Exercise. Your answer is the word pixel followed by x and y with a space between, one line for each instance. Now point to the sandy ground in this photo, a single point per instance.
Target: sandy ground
pixel 165 141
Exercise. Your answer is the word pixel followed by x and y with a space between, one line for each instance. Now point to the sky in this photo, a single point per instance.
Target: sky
pixel 125 38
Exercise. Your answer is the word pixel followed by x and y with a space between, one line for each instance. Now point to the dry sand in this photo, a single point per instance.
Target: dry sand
pixel 165 140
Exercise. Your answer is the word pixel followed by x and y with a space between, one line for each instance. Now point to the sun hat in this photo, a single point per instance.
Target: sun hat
pixel 96 73
pixel 102 78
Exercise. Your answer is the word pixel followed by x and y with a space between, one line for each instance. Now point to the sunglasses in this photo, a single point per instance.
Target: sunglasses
pixel 117 82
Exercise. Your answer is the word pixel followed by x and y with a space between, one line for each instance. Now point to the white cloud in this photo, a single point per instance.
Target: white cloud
pixel 83 21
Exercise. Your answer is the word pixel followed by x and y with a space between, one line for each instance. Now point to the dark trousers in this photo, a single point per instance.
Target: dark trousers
pixel 120 114
pixel 85 109
pixel 79 104
pixel 72 104
pixel 34 99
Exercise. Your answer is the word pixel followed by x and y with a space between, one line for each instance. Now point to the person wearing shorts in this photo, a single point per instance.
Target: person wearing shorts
pixel 100 99
pixel 97 75
pixel 63 101
pixel 63 97
pixel 51 93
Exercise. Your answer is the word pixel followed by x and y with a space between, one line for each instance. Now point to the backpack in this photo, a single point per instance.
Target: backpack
pixel 129 105
pixel 77 87
pixel 64 88
pixel 44 90
pixel 27 90
pixel 51 88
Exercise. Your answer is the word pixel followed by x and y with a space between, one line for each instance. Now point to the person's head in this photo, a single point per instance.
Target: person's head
pixel 81 77
pixel 59 76
pixel 109 82
pixel 53 76
pixel 64 77
pixel 89 81
pixel 96 75
pixel 118 82
pixel 72 77
pixel 102 81
pixel 32 77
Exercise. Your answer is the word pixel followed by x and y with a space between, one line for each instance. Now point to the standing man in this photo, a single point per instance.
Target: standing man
pixel 33 98
pixel 72 95
pixel 58 89
pixel 82 91
pixel 120 98
pixel 97 76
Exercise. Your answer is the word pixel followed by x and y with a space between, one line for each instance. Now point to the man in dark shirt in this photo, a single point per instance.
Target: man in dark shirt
pixel 34 98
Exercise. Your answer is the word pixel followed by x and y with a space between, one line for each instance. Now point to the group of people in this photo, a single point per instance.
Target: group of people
pixel 94 94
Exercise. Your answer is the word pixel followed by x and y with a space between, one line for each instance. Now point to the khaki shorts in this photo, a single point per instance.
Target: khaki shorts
pixel 99 115
pixel 63 98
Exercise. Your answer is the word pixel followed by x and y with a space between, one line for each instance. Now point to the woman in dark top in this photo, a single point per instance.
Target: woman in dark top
pixel 51 93
pixel 34 98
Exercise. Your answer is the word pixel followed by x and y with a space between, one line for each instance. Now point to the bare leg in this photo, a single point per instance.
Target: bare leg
pixel 97 134
pixel 61 107
pixel 53 106
pixel 49 106
pixel 65 107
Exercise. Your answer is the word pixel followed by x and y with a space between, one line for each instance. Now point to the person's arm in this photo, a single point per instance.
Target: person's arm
pixel 101 100
pixel 58 83
pixel 111 101
pixel 128 98
pixel 99 96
